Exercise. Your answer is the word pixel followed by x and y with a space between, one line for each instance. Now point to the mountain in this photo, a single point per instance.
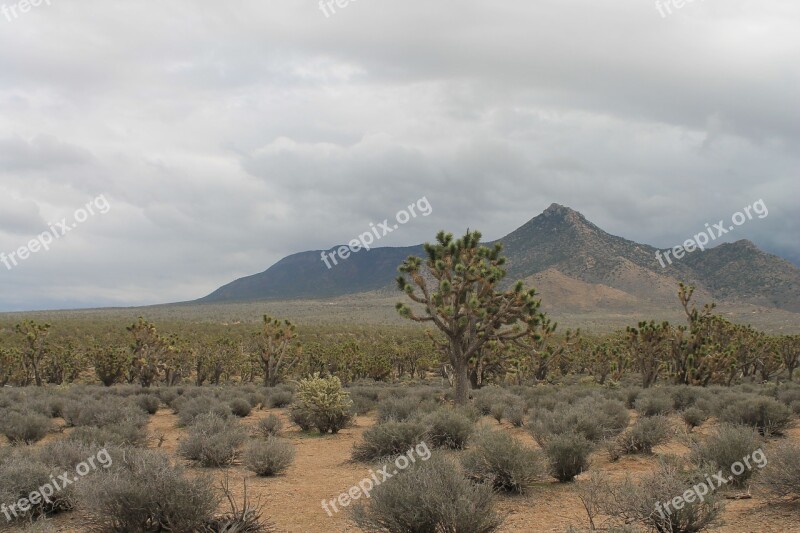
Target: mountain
pixel 573 263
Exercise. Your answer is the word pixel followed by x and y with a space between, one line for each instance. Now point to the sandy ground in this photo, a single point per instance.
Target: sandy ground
pixel 322 470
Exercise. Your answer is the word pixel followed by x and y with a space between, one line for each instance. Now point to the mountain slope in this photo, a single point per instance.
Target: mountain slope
pixel 578 263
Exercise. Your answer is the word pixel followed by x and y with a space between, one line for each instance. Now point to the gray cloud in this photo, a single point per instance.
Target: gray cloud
pixel 227 136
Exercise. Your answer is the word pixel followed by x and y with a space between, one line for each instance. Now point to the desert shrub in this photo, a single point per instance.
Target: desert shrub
pixel 278 398
pixel 639 501
pixel 324 403
pixel 269 457
pixel 441 498
pixel 568 455
pixel 65 454
pixel 694 417
pixel 148 402
pixel 595 419
pixel 365 399
pixel 728 445
pixel 388 439
pixel 142 491
pixel 470 411
pixel 447 428
pixel 23 474
pixel 212 440
pixel 122 434
pixel 516 415
pixel 101 413
pixel 767 415
pixel 498 410
pixel 645 434
pixel 301 418
pixel 654 402
pixel 781 477
pixel 487 397
pixel 630 395
pixel 240 407
pixel 270 426
pixel 498 459
pixel 167 395
pixel 190 408
pixel 684 396
pixel 398 409
pixel 27 427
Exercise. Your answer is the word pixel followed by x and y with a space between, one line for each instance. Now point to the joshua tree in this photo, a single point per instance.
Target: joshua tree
pixel 458 286
pixel 35 349
pixel 279 350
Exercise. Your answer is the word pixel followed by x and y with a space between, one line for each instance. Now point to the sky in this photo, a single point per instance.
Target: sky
pixel 211 139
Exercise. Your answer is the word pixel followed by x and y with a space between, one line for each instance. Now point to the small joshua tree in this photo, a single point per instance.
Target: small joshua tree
pixel 279 349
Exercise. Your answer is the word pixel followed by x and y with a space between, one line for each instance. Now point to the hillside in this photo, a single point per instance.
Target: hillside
pixel 563 254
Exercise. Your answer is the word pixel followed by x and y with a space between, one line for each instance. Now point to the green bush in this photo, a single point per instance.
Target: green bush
pixel 212 440
pixel 728 445
pixel 498 459
pixel 767 415
pixel 431 497
pixel 323 403
pixel 142 492
pixel 647 433
pixel 568 455
pixel 25 427
pixel 122 434
pixel 447 428
pixel 269 457
pixel 388 439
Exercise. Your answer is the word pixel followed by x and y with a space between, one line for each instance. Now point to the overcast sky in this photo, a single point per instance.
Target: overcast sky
pixel 226 135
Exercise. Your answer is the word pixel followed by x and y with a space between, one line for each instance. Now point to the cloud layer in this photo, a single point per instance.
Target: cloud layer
pixel 228 135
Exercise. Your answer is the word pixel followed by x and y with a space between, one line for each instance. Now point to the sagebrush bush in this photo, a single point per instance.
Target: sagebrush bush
pixel 498 411
pixel 568 455
pixel 324 403
pixel 148 402
pixel 647 433
pixel 25 427
pixel 439 497
pixel 388 439
pixel 684 396
pixel 498 459
pixel 639 501
pixel 142 492
pixel 398 409
pixel 301 418
pixel 631 394
pixel 240 407
pixel 23 473
pixel 694 417
pixel 781 477
pixel 271 426
pixel 212 440
pixel 122 434
pixel 767 415
pixel 269 457
pixel 190 408
pixel 447 428
pixel 487 397
pixel 595 419
pixel 727 445
pixel 654 402
pixel 279 398
pixel 101 413
pixel 516 415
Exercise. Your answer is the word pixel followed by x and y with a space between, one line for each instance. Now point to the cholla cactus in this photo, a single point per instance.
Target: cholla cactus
pixel 324 403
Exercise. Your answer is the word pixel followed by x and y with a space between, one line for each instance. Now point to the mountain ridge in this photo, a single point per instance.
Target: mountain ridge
pixel 613 272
